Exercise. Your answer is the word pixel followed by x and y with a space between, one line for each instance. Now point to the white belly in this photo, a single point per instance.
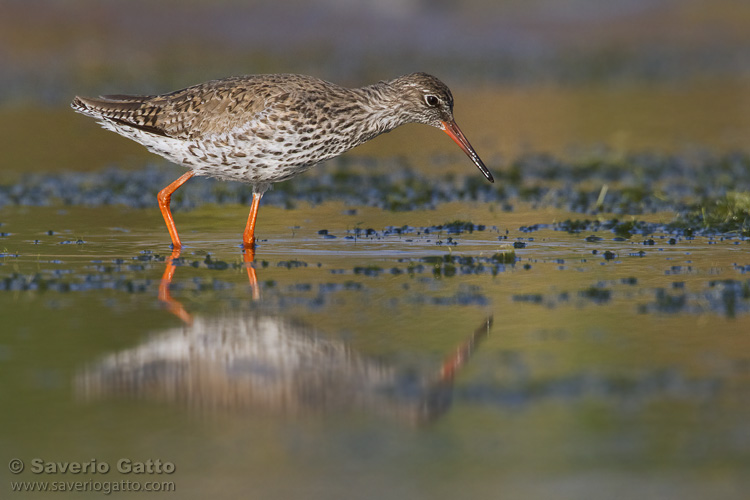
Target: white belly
pixel 239 156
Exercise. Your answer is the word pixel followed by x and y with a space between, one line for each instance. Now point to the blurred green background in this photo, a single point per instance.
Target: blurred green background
pixel 538 75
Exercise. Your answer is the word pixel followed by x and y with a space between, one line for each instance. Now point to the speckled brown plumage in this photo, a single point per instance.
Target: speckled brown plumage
pixel 268 128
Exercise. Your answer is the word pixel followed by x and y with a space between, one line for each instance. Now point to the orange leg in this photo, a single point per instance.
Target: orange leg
pixel 248 237
pixel 164 197
pixel 249 256
pixel 174 306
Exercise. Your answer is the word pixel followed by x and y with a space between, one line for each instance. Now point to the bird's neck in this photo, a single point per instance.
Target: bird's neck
pixel 380 109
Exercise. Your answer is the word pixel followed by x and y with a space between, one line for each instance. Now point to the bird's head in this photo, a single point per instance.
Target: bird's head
pixel 425 99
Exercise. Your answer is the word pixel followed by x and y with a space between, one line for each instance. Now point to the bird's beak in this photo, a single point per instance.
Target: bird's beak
pixel 451 128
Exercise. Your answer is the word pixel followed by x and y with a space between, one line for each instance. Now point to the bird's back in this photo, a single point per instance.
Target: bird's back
pixel 258 129
pixel 210 108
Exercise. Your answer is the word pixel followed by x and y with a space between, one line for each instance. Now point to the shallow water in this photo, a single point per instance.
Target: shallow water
pixel 446 366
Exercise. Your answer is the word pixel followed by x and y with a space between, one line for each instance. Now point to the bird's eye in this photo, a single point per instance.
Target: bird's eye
pixel 431 100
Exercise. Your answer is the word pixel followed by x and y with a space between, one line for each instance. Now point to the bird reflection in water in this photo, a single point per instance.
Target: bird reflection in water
pixel 176 307
pixel 265 363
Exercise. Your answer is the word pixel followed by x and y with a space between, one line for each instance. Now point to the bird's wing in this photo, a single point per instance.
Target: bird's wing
pixel 199 112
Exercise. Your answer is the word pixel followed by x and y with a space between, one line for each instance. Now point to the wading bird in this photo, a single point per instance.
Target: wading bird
pixel 268 128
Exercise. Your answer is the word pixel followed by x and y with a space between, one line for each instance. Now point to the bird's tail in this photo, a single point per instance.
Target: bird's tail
pixel 130 110
pixel 109 106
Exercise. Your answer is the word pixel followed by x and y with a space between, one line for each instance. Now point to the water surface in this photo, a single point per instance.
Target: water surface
pixel 445 367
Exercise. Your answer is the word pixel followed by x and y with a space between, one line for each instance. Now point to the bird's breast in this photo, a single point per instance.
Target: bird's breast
pixel 261 154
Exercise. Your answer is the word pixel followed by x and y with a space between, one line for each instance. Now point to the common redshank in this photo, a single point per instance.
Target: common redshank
pixel 263 129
